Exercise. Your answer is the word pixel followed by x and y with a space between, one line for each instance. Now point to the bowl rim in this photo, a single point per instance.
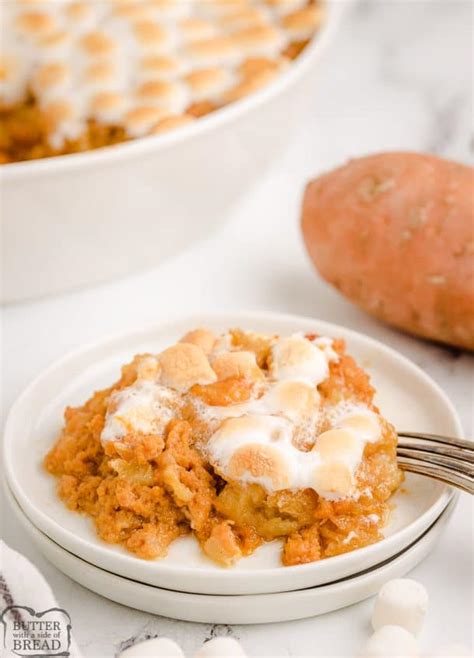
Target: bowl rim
pixel 152 143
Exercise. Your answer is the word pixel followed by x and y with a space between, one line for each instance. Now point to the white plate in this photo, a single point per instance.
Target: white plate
pixel 406 395
pixel 246 609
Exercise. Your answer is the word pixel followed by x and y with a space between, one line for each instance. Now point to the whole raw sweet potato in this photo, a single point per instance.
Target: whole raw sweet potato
pixel 394 232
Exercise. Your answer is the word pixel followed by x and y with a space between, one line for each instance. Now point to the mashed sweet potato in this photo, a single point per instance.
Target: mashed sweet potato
pixel 146 491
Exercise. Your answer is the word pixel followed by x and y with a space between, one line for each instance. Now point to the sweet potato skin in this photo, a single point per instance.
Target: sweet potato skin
pixel 394 232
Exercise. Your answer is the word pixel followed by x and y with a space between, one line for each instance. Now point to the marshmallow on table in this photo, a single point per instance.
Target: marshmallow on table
pixel 157 647
pixel 221 647
pixel 402 602
pixel 391 642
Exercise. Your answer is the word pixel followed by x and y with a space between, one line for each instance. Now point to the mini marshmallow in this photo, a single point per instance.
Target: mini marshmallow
pixel 259 40
pixel 195 29
pixel 364 425
pixel 167 94
pixel 171 122
pixel 35 24
pixel 97 44
pixel 261 463
pixel 208 83
pixel 221 647
pixel 391 642
pixel 402 602
pixel 157 647
pixel 203 338
pixel 109 107
pixel 216 51
pixel 152 37
pixel 144 407
pixel 295 357
pixel 297 401
pixel 164 67
pixel 245 17
pixel 184 365
pixel 236 364
pixel 302 23
pixel 249 86
pixel 283 7
pixel 140 120
pixel 333 479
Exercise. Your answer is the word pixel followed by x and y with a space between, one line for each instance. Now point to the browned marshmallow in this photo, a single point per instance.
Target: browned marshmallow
pixel 57 112
pixel 258 39
pixel 260 461
pixel 214 51
pixel 35 23
pixel 333 478
pixel 171 122
pixel 147 367
pixel 249 85
pixel 160 67
pixel 100 72
pixel 108 106
pixel 140 120
pixel 196 29
pixel 184 365
pixel 301 24
pixel 364 425
pixel 236 364
pixel 78 11
pixel 205 83
pixel 335 444
pixel 243 18
pixel 295 400
pixel 50 75
pixel 203 338
pixel 97 44
pixel 151 35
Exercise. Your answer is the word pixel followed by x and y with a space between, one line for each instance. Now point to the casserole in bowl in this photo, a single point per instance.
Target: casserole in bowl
pixel 78 219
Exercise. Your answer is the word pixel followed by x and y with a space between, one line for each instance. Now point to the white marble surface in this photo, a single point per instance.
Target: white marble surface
pixel 397 77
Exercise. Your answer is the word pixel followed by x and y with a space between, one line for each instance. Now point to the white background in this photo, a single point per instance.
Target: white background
pixel 398 76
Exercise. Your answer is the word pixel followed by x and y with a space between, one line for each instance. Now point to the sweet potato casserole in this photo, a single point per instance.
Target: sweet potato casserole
pixel 76 75
pixel 238 439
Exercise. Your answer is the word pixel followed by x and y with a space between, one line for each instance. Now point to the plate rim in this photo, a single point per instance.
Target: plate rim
pixel 224 318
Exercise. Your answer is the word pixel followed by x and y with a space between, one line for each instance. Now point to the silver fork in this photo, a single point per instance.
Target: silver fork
pixel 440 457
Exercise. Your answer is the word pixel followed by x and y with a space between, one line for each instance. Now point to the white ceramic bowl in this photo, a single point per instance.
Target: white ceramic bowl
pixel 83 218
pixel 406 396
pixel 253 609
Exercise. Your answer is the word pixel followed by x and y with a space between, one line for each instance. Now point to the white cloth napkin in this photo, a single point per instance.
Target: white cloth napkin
pixel 31 620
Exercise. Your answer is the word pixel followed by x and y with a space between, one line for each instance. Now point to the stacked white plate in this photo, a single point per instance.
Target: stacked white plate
pixel 185 585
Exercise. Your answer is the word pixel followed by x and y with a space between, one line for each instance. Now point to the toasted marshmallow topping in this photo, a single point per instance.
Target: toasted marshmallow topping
pixel 145 407
pixel 258 441
pixel 297 358
pixel 271 459
pixel 274 437
pixel 184 365
pixel 168 54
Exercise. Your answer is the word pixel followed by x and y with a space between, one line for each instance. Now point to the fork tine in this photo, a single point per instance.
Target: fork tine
pixel 436 448
pixel 428 457
pixel 436 438
pixel 441 473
